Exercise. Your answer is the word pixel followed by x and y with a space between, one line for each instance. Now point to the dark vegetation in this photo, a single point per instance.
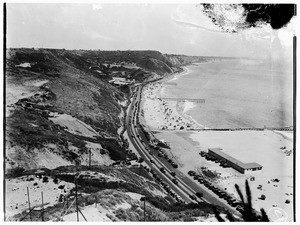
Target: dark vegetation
pixel 277 15
pixel 93 184
pixel 248 213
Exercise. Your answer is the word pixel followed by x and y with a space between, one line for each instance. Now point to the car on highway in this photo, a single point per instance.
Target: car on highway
pixel 199 194
pixel 173 173
pixel 175 181
pixel 151 160
pixel 193 197
pixel 162 170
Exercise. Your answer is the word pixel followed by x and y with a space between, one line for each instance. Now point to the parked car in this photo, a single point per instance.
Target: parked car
pixel 222 195
pixel 174 165
pixel 196 177
pixel 191 173
pixel 240 208
pixel 234 203
pixel 200 180
pixel 173 173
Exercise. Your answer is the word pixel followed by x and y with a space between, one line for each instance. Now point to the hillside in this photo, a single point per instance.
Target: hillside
pixel 59 105
pixel 66 106
pixel 105 194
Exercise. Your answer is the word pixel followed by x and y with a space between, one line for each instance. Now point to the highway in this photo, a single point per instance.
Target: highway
pixel 186 187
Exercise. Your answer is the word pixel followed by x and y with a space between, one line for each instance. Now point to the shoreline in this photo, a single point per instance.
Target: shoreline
pixel 264 147
pixel 161 114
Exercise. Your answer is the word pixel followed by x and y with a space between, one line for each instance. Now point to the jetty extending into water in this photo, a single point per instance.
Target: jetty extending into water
pixel 234 129
pixel 198 100
pixel 245 128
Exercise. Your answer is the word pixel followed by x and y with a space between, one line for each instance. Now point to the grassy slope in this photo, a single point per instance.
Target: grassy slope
pixel 76 90
pixel 73 89
pixel 107 186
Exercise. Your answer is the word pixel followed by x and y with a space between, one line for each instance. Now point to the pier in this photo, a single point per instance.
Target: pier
pixel 238 129
pixel 245 128
pixel 198 100
pixel 171 83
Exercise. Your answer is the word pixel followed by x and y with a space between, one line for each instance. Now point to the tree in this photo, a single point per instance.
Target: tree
pixel 140 160
pixel 144 200
pixel 248 213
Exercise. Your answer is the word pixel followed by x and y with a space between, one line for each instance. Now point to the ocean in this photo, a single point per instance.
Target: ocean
pixel 238 93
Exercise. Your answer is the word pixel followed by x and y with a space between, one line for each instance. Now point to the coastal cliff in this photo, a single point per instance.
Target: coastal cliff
pixel 65 109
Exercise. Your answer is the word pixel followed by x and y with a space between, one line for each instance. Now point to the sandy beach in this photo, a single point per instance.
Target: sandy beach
pixel 272 149
pixel 162 114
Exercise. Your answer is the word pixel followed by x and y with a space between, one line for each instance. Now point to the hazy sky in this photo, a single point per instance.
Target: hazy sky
pixel 169 28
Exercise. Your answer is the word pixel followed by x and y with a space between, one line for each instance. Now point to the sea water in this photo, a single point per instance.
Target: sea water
pixel 238 93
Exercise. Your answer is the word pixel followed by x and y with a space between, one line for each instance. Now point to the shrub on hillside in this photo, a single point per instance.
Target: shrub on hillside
pixel 16 172
pixel 45 179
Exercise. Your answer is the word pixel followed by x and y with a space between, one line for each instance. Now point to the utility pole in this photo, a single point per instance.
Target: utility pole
pixel 145 210
pixel 42 207
pixel 90 159
pixel 29 204
pixel 76 199
pixel 144 199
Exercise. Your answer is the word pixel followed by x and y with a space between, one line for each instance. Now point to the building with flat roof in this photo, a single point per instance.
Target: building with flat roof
pixel 234 163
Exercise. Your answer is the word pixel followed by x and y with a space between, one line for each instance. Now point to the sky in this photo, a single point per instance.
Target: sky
pixel 168 28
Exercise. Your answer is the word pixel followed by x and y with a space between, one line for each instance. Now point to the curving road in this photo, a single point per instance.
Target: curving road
pixel 186 186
